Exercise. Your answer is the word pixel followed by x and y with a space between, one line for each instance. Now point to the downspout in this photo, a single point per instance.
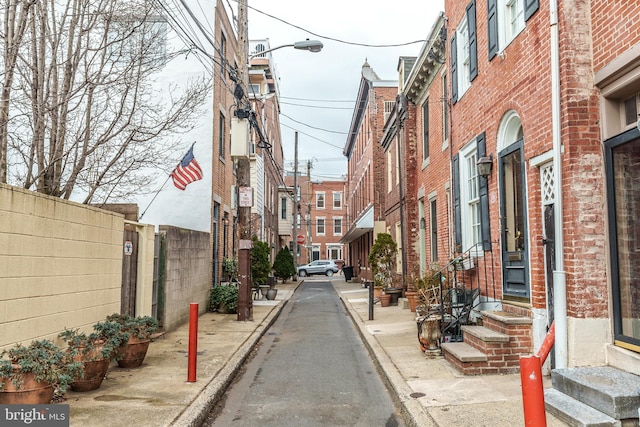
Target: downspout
pixel 401 164
pixel 559 276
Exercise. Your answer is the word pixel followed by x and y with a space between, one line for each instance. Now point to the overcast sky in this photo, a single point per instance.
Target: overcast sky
pixel 318 90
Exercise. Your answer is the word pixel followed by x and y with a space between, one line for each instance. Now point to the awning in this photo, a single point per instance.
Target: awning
pixel 363 225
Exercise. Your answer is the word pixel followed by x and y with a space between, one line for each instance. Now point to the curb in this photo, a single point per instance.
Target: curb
pixel 196 412
pixel 413 413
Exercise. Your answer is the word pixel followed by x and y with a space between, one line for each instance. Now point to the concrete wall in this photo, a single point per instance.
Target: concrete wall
pixel 60 265
pixel 187 274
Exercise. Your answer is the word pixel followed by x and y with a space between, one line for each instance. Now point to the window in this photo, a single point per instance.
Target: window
pixel 337 200
pixel 320 200
pixel 433 229
pixel 221 135
pixel 425 130
pixel 254 89
pixel 337 226
pixel 223 54
pixel 388 108
pixel 464 54
pixel 468 218
pixel 320 226
pixel 283 207
pixel 505 20
pixel 470 200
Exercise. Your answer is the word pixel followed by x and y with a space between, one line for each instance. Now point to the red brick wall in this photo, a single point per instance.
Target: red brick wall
pixel 522 82
pixel 615 27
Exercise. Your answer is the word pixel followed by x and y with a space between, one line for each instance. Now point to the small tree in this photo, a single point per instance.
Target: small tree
pixel 382 257
pixel 260 265
pixel 283 265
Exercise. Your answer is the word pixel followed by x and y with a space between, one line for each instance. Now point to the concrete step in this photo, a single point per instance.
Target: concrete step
pixel 463 352
pixel 484 334
pixel 574 412
pixel 607 389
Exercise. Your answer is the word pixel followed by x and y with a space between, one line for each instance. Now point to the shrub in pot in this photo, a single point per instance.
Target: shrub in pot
pixel 139 329
pixel 95 351
pixel 224 298
pixel 283 265
pixel 32 374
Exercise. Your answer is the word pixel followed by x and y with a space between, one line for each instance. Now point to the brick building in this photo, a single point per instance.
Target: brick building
pixel 365 169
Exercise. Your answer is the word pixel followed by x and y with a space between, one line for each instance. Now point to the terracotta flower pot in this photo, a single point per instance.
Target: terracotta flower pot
pixel 385 300
pixel 32 392
pixel 94 373
pixel 132 354
pixel 412 298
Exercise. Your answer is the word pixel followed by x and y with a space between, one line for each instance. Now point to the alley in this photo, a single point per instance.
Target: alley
pixel 310 369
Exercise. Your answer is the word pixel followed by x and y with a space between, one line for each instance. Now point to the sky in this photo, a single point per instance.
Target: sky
pixel 317 90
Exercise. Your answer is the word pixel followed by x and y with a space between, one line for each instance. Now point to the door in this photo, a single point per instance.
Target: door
pixel 129 273
pixel 513 209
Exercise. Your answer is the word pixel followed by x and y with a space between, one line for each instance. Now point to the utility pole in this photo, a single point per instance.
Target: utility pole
pixel 295 204
pixel 245 306
pixel 309 246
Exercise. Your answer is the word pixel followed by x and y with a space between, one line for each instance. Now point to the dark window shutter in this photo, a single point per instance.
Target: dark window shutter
pixel 481 147
pixel 473 40
pixel 492 27
pixel 530 7
pixel 454 69
pixel 425 130
pixel 457 220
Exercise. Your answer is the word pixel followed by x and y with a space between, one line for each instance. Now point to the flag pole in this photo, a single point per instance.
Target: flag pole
pixel 154 197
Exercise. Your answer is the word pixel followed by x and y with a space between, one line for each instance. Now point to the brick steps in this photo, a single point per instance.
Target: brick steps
pixel 494 348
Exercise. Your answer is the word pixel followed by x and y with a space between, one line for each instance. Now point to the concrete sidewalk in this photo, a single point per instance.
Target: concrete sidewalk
pixel 157 393
pixel 428 391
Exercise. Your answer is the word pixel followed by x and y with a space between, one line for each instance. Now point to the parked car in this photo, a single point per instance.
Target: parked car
pixel 321 266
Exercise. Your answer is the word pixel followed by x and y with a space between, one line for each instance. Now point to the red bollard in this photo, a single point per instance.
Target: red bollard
pixel 193 342
pixel 547 344
pixel 532 391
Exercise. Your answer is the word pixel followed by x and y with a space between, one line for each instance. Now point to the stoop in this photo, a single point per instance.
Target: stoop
pixel 594 396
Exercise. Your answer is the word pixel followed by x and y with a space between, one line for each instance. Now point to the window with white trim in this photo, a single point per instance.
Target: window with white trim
pixel 320 200
pixel 337 200
pixel 319 226
pixel 337 226
pixel 470 198
pixel 463 58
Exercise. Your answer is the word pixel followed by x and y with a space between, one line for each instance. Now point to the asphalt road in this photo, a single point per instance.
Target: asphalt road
pixel 310 369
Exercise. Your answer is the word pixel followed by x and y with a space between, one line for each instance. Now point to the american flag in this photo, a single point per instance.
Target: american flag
pixel 187 171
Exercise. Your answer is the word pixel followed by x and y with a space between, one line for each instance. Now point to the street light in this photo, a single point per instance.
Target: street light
pixel 309 45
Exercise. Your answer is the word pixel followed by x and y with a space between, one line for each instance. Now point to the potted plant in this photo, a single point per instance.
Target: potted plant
pixel 283 266
pixel 33 374
pixel 95 351
pixel 260 265
pixel 140 328
pixel 382 258
pixel 230 268
pixel 224 299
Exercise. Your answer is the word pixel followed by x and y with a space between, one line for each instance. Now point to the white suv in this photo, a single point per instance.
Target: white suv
pixel 326 267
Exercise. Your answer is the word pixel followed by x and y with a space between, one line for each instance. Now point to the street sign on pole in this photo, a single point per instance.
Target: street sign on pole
pixel 300 239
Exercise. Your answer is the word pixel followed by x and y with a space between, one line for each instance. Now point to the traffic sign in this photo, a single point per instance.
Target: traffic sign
pixel 300 239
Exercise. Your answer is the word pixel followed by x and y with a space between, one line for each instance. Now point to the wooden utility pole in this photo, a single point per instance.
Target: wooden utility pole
pixel 295 204
pixel 245 306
